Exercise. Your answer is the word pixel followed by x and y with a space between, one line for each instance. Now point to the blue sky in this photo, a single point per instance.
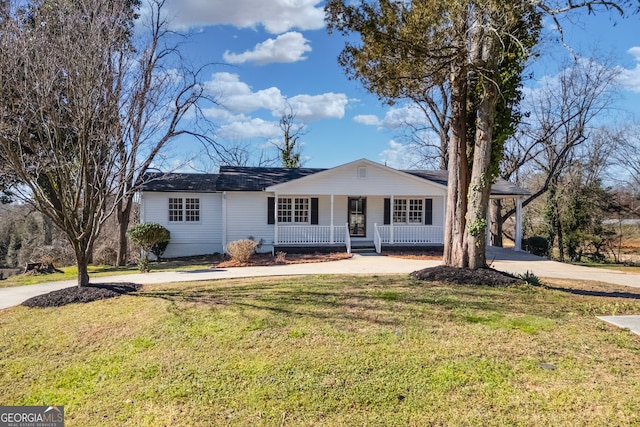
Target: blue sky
pixel 272 53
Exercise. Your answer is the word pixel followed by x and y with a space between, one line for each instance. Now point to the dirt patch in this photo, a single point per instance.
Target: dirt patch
pixel 464 276
pixel 84 294
pixel 434 254
pixel 260 260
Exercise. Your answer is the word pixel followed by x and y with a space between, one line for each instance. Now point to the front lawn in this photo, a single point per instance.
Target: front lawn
pixel 329 350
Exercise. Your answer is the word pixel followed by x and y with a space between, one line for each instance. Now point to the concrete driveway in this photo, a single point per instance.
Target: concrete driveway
pixel 521 262
pixel 501 259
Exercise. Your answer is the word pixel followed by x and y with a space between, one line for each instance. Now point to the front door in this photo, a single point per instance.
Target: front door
pixel 357 216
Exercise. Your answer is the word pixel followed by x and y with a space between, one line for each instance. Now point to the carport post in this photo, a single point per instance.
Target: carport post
pixel 518 242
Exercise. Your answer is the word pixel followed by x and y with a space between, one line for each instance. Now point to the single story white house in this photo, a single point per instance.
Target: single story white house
pixel 354 205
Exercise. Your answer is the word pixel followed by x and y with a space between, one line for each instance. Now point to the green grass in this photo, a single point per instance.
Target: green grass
pixel 326 350
pixel 71 272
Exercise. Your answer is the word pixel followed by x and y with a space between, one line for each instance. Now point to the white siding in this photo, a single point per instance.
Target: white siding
pixel 247 217
pixel 187 238
pixel 345 180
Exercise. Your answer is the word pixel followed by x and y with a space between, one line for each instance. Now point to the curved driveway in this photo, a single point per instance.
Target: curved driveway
pixel 501 259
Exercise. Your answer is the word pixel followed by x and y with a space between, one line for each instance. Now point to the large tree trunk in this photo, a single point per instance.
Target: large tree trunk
pixel 123 214
pixel 454 255
pixel 475 236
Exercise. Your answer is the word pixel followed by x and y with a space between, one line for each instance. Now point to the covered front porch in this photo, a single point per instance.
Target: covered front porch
pixel 365 202
pixel 347 222
pixel 314 236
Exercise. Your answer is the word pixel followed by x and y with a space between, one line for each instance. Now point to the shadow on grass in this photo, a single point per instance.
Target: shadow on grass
pixel 359 303
pixel 594 293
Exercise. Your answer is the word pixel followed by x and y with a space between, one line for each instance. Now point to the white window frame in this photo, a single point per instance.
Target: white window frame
pixel 294 210
pixel 404 210
pixel 192 209
pixel 176 209
pixel 187 209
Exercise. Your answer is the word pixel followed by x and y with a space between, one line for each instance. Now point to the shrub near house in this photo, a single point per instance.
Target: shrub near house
pixel 148 235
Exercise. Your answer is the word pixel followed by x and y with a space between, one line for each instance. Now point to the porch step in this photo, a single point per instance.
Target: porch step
pixel 363 248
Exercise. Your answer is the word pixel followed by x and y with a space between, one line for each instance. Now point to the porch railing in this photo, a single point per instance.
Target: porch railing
pixel 409 234
pixel 310 234
pixel 347 238
pixel 377 240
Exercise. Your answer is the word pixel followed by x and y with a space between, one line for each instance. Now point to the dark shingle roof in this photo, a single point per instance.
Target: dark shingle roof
pixel 238 178
pixel 437 176
pixel 241 178
pixel 173 182
pixel 500 188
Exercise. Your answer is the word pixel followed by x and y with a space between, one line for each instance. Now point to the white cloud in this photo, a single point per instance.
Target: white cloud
pixel 630 78
pixel 402 116
pixel 315 107
pixel 367 119
pixel 238 103
pixel 238 97
pixel 253 128
pixel 288 47
pixel 400 156
pixel 277 16
pixel 395 118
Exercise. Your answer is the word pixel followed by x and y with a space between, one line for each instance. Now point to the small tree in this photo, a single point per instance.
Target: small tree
pixel 290 148
pixel 148 235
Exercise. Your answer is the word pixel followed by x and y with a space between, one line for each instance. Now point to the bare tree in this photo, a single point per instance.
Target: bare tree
pixel 289 147
pixel 236 152
pixel 161 98
pixel 562 113
pixel 628 153
pixel 429 140
pixel 59 113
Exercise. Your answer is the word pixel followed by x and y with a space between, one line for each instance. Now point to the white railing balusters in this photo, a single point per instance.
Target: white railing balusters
pixel 309 234
pixel 411 234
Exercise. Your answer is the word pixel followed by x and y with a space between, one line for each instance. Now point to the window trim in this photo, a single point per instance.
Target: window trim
pixel 185 210
pixel 405 213
pixel 295 208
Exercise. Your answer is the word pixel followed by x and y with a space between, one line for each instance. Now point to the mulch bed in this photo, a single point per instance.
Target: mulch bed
pixel 84 294
pixel 262 260
pixel 464 276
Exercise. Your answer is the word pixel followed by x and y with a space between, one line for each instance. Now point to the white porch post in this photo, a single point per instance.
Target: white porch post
pixel 331 234
pixel 391 209
pixel 224 221
pixel 518 242
pixel 489 223
pixel 275 222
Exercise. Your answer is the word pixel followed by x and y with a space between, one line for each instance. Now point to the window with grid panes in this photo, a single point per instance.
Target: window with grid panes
pixel 175 209
pixel 192 209
pixel 415 211
pixel 293 210
pixel 301 210
pixel 400 210
pixel 285 208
